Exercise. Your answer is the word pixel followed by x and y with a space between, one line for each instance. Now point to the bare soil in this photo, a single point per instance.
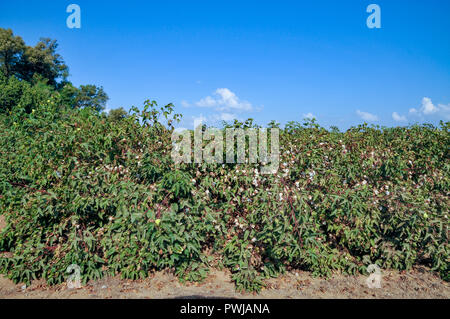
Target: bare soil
pixel 419 283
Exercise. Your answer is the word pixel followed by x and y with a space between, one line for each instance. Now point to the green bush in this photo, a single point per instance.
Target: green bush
pixel 79 187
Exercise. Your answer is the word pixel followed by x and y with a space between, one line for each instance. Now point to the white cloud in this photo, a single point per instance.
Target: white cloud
pixel 428 108
pixel 309 116
pixel 226 116
pixel 185 103
pixel 398 118
pixel 367 116
pixel 223 100
pixel 207 102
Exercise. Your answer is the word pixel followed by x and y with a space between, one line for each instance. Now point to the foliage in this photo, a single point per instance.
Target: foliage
pixel 30 75
pixel 101 191
pixel 117 114
pixel 14 92
pixel 79 187
pixel 43 60
pixel 91 96
pixel 24 62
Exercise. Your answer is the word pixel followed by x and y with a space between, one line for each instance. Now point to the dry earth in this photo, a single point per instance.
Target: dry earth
pixel 419 283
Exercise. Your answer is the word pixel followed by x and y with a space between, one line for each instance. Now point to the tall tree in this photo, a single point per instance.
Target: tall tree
pixel 91 96
pixel 11 52
pixel 26 62
pixel 28 75
pixel 117 115
pixel 43 60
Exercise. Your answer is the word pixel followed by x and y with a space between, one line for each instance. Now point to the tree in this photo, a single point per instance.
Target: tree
pixel 11 52
pixel 36 94
pixel 43 60
pixel 85 96
pixel 11 90
pixel 69 95
pixel 29 75
pixel 117 114
pixel 15 92
pixel 91 96
pixel 24 62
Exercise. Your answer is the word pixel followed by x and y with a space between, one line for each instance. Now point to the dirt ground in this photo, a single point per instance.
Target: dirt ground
pixel 419 283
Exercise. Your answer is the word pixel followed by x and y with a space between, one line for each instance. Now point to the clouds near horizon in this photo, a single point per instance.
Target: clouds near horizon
pixel 366 116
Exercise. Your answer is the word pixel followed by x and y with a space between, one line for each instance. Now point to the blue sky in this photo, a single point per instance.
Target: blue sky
pixel 269 60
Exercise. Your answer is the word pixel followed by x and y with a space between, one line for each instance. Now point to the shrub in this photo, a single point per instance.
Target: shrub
pixel 79 187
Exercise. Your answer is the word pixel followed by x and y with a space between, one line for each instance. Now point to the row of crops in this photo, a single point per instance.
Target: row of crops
pixel 78 187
